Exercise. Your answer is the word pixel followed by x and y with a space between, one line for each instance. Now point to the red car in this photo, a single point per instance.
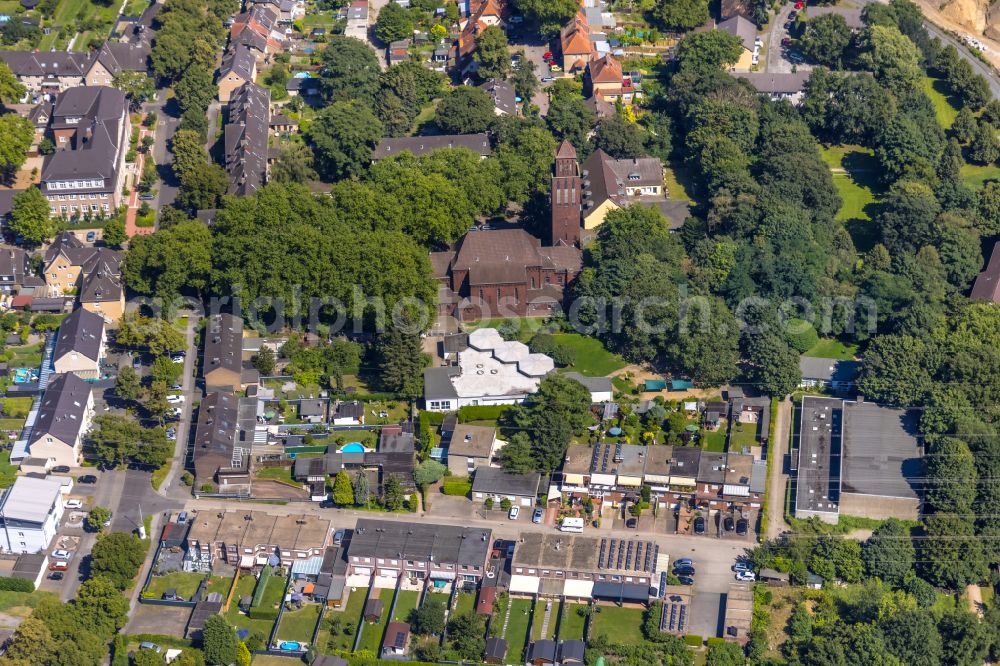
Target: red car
pixel 799 5
pixel 547 55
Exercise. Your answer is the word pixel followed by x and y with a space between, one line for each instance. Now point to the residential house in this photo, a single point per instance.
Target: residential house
pixel 394 456
pixel 263 20
pixel 503 95
pixel 348 413
pixel 15 271
pixel 503 271
pixel 64 417
pixel 304 86
pixel 223 366
pixel 80 344
pixel 601 389
pixel 313 411
pixel 221 449
pixel 419 550
pixel 778 86
pixel 483 14
pixel 827 373
pixel 30 511
pixel 499 484
pixel 396 642
pixel 239 67
pixel 421 145
pixel 986 288
pixel 256 43
pixel 357 20
pixel 492 371
pixel 85 176
pixel 576 45
pixel 470 447
pixel 113 58
pixel 280 124
pixel 606 80
pixel 398 51
pixel 102 292
pixel 610 184
pixel 94 272
pixel 746 31
pixel 48 72
pixel 246 139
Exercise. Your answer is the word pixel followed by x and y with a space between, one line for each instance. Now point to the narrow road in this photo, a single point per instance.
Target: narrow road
pixel 779 480
pixel 171 486
pixel 978 66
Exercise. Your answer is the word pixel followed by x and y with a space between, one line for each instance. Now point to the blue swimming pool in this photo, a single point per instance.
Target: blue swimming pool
pixel 352 447
pixel 289 645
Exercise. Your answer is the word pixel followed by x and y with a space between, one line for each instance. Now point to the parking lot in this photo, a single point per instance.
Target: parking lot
pixel 779 58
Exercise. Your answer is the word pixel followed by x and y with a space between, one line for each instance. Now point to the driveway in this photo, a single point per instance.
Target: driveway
pixel 166 125
pixel 776 61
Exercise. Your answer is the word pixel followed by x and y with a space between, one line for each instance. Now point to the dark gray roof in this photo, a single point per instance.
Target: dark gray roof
pixel 316 407
pixel 14 264
pixel 238 60
pixel 63 408
pixel 216 433
pixel 542 650
pixel 621 591
pixel 827 369
pixel 593 384
pixel 46 63
pixel 224 343
pixel 503 95
pixel 572 650
pixel 739 26
pixel 81 332
pixel 496 481
pixel 437 382
pixel 421 145
pixel 120 57
pixel 353 409
pixel 7 201
pixel 776 83
pixel 442 544
pixel 852 17
pixel 101 287
pixel 496 647
pixel 246 139
pixel 712 468
pixel 820 448
pixel 685 460
pixel 97 113
pixel 882 451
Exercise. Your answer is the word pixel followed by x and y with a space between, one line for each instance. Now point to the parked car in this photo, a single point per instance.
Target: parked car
pixel 175 399
pixel 684 571
pixel 182 517
pixel 728 524
pixel 137 362
pixel 686 580
pixel 61 469
pixel 547 55
pixel 107 523
pixel 684 562
pixel 176 387
pixel 513 513
pixel 59 566
pixel 177 358
pixel 741 565
pixel 548 79
pixel 172 434
pixel 91 236
pixel 746 576
pixel 699 525
pixel 61 554
pixel 338 537
pixel 56 575
pixel 632 523
pixel 786 41
pixel 787 26
pixel 792 15
pixel 146 645
pixel 537 516
pixel 741 526
pixel 555 68
pixel 148 196
pixel 73 504
pixel 87 478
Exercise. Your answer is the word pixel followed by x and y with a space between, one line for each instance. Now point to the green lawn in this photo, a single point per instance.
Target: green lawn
pixel 371 636
pixel 274 593
pixel 517 628
pixel 276 474
pixel 572 623
pixel 8 472
pixel 833 348
pixel 17 408
pixel 465 603
pixel 299 625
pixel 184 582
pixel 159 475
pixel 539 618
pixel 20 604
pixel 678 181
pixel 944 109
pixel 743 434
pixel 406 601
pixel 975 176
pixel 592 359
pixel 350 616
pixel 855 174
pixel 244 588
pixel 715 440
pixel 620 625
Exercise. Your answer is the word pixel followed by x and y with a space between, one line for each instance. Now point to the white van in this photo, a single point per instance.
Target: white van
pixel 571 525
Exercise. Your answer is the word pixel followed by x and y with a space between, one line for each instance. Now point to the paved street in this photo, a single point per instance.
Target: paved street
pixel 776 485
pixel 775 61
pixel 166 125
pixel 978 66
pixel 172 487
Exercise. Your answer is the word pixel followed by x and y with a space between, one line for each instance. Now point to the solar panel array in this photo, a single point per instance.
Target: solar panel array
pixel 627 555
pixel 673 617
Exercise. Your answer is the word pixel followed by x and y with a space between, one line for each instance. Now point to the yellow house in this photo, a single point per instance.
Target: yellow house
pixel 746 30
pixel 80 345
pixel 610 184
pixel 64 417
pixel 103 295
pixel 238 67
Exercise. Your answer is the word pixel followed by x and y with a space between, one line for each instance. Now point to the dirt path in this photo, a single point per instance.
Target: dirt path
pixel 975 597
pixel 778 482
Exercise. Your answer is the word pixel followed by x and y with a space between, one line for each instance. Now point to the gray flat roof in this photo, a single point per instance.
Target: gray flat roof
pixel 820 440
pixel 442 544
pixel 882 451
pixel 496 481
pixel 30 499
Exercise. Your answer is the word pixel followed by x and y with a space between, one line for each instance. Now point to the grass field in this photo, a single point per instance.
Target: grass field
pixel 742 434
pixel 8 472
pixel 371 636
pixel 855 174
pixel 185 583
pixel 20 604
pixel 715 440
pixel 273 593
pixel 244 588
pixel 159 475
pixel 298 625
pixel 517 629
pixel 17 408
pixel 678 181
pixel 283 474
pixel 69 13
pixel 620 625
pixel 572 624
pixel 406 601
pixel 350 616
pixel 592 359
pixel 272 660
pixel 464 603
pixel 539 619
pixel 833 348
pixel 975 176
pixel 944 109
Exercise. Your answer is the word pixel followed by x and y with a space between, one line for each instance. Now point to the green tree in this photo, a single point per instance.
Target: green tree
pixel 188 151
pixel 619 138
pixel 708 51
pixel 362 491
pixel 349 70
pixel 392 493
pixel 146 657
pixel 394 23
pixel 888 553
pixel 162 265
pixel 428 472
pixel 343 137
pixel 294 164
pixel 826 39
pixel 243 656
pixel 681 15
pixel 964 127
pixel 203 187
pixel 120 438
pixel 11 90
pixel 951 554
pixel 118 556
pixel 524 79
pixel 343 492
pixel 467 634
pixel 544 425
pixel 114 232
pixel 97 517
pixel 30 217
pixel 967 639
pixel 912 637
pixel 725 654
pixel 400 361
pixel 16 135
pixel 219 641
pixel 549 15
pixel 984 147
pixel 428 619
pixel 774 364
pixel 892 57
pixel 951 477
pixel 166 371
pixel 466 110
pixel 491 54
pixel 136 86
pixel 127 384
pixel 264 361
pixel 156 402
pixel 157 335
pixel 570 118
